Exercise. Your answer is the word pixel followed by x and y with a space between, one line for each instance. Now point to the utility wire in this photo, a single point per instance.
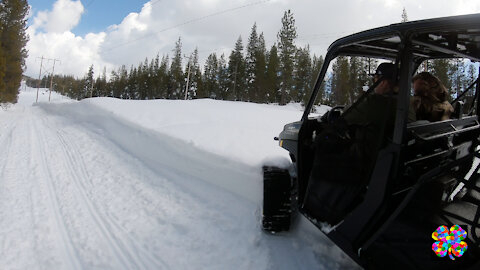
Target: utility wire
pixel 189 22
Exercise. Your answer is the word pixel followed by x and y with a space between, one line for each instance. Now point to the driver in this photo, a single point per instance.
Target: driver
pixel 373 119
pixel 347 147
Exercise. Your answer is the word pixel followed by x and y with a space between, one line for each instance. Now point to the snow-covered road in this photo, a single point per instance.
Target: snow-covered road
pixel 83 189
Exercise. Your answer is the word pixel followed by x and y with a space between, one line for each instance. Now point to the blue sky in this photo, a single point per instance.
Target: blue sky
pixel 111 33
pixel 98 14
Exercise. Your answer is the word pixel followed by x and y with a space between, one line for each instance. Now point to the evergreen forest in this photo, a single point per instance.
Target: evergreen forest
pixel 13 39
pixel 252 72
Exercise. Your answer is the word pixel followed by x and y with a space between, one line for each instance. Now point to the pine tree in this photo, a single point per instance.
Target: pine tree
pixel 13 39
pixel 364 79
pixel 122 91
pixel 113 84
pixel 88 86
pixel 260 90
pixel 175 88
pixel 287 49
pixel 272 80
pixel 251 64
pixel 195 81
pixel 164 77
pixel 256 67
pixel 457 75
pixel 154 71
pixel 356 79
pixel 77 88
pixel 469 77
pixel 471 74
pixel 211 82
pixel 404 15
pixel 133 83
pixel 143 80
pixel 236 71
pixel 100 86
pixel 223 78
pixel 303 74
pixel 339 84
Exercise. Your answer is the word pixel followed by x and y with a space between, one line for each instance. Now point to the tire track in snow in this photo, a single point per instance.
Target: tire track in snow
pixel 69 248
pixel 124 260
pixel 6 140
pixel 119 249
pixel 15 195
pixel 128 257
pixel 130 245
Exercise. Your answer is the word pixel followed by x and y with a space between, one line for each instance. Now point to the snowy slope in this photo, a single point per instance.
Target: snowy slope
pixel 98 185
pixel 238 130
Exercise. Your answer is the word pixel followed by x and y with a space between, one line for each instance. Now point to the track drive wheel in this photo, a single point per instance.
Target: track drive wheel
pixel 277 199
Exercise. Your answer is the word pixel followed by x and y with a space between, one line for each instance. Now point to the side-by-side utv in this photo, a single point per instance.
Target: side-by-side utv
pixel 383 211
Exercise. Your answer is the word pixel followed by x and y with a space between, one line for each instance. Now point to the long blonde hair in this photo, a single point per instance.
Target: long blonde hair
pixel 430 86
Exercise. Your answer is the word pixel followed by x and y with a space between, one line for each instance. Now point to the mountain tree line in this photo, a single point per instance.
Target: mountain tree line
pixel 279 74
pixel 13 38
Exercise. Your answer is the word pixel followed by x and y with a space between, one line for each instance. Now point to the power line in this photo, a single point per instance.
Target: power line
pixel 189 22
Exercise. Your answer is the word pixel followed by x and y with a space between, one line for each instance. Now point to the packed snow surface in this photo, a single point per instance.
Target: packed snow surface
pixel 111 184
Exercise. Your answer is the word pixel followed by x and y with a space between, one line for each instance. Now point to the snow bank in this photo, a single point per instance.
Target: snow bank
pixel 202 138
pixel 241 131
pixel 159 151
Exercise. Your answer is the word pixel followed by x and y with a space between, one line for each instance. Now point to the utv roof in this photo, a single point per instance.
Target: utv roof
pixel 457 36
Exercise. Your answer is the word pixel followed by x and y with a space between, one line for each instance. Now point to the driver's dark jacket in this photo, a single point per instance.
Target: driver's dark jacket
pixel 371 123
pixel 346 149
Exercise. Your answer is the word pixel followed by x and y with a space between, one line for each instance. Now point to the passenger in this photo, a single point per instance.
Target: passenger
pixel 430 98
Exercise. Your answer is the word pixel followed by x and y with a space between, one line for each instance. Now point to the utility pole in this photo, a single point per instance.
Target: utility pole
pixel 39 75
pixel 51 79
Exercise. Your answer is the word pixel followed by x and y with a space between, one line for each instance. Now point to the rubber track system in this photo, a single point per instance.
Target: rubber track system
pixel 277 199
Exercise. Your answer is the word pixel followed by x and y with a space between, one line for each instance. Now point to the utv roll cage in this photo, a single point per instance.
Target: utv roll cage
pixel 424 176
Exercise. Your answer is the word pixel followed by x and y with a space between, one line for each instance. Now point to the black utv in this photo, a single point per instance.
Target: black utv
pixel 382 212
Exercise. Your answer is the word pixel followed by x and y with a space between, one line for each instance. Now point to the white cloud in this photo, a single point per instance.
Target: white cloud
pixel 156 28
pixel 65 15
pixel 467 7
pixel 75 53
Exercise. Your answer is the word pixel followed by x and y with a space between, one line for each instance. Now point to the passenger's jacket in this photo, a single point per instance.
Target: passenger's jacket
pixel 432 109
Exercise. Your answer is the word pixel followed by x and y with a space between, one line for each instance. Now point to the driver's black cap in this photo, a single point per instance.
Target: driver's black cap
pixel 386 70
